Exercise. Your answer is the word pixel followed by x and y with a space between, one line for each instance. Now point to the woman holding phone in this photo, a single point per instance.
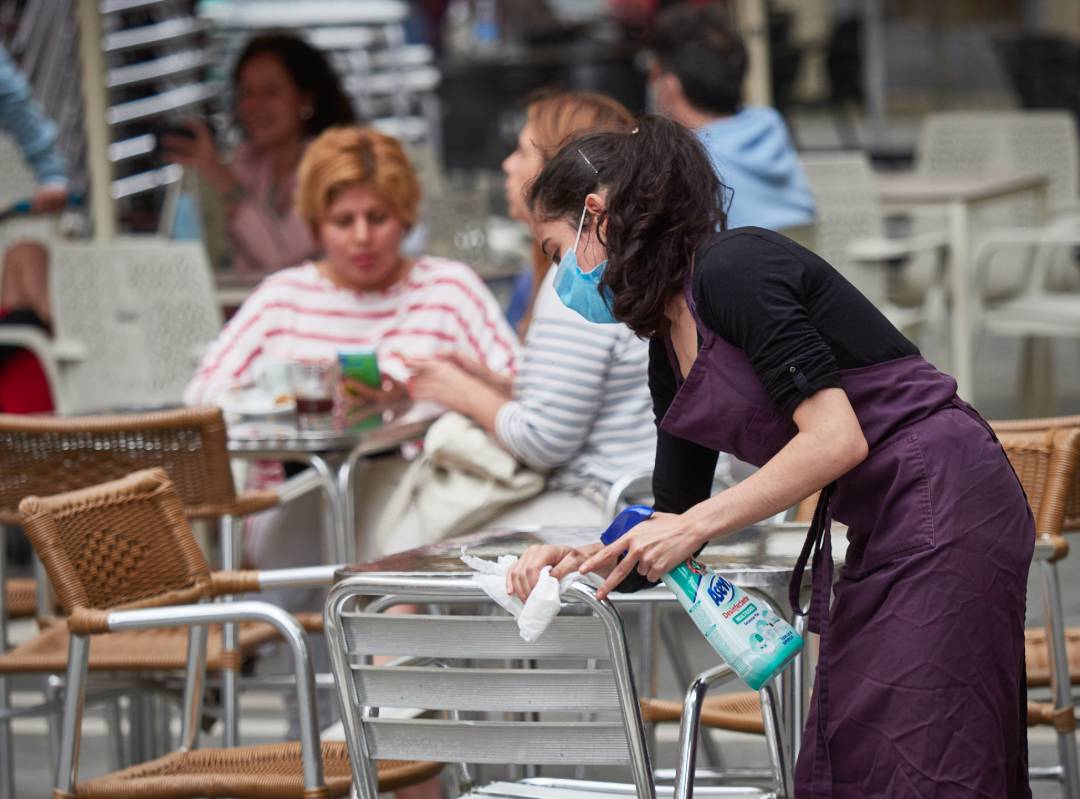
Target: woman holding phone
pixel 759 348
pixel 284 94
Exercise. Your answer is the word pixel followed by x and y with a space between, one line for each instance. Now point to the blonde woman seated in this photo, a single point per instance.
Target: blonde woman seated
pixel 359 194
pixel 578 409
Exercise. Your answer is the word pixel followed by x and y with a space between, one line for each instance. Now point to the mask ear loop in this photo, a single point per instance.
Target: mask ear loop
pixel 580 225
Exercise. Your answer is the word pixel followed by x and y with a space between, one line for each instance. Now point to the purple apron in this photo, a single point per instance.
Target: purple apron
pixel 920 688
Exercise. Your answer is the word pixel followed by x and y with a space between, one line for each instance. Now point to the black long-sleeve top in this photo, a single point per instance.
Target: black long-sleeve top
pixel 797 319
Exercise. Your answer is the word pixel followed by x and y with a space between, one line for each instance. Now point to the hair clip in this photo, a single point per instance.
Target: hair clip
pixel 587 161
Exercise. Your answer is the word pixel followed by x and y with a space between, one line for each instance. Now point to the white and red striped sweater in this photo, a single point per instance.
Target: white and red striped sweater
pixel 297 314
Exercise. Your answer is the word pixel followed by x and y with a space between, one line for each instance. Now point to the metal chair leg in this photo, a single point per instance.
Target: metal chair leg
pixel 7 743
pixel 1061 687
pixel 67 763
pixel 230 546
pixel 690 725
pixel 681 666
pixel 7 740
pixel 115 728
pixel 54 689
pixel 774 740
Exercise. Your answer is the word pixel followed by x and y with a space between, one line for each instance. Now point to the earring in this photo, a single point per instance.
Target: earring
pixel 307 112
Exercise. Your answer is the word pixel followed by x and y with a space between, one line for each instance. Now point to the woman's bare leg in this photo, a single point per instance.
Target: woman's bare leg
pixel 26 279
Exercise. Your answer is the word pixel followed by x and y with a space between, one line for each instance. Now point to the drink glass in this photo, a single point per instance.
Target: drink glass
pixel 314 384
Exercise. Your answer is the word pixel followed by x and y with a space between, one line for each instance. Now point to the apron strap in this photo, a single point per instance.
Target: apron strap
pixel 818 541
pixel 819 528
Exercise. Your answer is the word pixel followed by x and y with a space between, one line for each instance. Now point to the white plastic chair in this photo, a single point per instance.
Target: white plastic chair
pixel 131 320
pixel 850 234
pixel 460 666
pixel 986 142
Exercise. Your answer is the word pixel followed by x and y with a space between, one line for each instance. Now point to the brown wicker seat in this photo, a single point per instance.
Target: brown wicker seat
pixel 21 598
pixel 126 545
pixel 269 771
pixel 142 650
pixel 738 712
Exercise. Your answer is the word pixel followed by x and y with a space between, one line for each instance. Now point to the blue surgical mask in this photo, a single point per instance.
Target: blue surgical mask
pixel 581 291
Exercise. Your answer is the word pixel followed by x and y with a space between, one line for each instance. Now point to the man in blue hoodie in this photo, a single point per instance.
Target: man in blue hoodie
pixel 697 74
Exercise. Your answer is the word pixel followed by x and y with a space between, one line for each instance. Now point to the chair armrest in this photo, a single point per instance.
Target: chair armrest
pixel 881 249
pixel 1059 234
pixel 280 619
pixel 300 484
pixel 250 581
pixel 627 483
pixel 689 726
pixel 43 348
pixel 1050 548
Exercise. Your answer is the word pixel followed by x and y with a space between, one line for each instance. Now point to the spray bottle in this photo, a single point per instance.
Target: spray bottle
pixel 749 635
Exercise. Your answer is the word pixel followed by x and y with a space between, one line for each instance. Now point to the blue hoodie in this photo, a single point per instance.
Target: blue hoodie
pixel 756 159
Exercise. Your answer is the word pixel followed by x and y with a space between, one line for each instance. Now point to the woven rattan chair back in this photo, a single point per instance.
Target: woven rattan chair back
pixel 1045 461
pixel 121 544
pixel 49 455
pixel 1071 516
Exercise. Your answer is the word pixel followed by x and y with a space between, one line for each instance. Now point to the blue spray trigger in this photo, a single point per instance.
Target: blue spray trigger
pixel 628 518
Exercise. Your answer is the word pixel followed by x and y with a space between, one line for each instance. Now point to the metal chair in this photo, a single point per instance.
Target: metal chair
pixel 1045 460
pixel 123 559
pixel 130 321
pixel 559 712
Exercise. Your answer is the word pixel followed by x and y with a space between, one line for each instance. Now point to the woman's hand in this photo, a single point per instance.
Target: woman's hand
pixel 49 198
pixel 654 547
pixel 439 380
pixel 522 577
pixel 480 371
pixel 201 154
pixel 357 396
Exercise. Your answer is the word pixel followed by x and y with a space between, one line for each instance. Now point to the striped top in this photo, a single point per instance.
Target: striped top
pixel 441 306
pixel 581 398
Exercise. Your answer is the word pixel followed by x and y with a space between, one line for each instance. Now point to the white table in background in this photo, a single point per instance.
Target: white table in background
pixel 955 197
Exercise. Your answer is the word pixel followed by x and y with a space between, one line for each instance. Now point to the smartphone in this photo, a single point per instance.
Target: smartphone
pixel 361 365
pixel 178 131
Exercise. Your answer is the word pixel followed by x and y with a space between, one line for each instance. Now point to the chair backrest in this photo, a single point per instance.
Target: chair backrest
pixel 120 544
pixel 131 320
pixel 1045 461
pixel 469 664
pixel 47 455
pixel 980 142
pixel 847 210
pixel 1028 436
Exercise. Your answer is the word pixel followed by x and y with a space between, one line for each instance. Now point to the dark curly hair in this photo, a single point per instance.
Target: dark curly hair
pixel 310 71
pixel 663 200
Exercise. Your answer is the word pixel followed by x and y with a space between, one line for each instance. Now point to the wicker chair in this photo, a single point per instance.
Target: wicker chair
pixel 122 558
pixel 46 455
pixel 1045 460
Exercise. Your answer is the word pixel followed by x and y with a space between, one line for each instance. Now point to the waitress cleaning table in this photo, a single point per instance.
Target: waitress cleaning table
pixel 759 348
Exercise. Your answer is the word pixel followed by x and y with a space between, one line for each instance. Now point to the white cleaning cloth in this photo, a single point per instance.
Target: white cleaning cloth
pixel 535 614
